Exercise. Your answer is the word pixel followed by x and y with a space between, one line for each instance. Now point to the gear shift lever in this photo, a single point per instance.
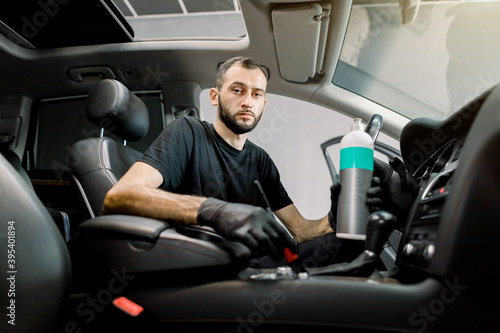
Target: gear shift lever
pixel 380 225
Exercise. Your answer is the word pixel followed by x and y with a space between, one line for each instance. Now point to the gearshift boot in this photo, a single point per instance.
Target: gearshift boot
pixel 362 266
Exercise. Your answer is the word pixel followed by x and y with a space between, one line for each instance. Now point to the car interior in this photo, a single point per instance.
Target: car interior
pixel 87 86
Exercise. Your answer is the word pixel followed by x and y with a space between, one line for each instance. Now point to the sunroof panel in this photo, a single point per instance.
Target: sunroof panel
pixel 155 7
pixel 33 24
pixel 72 23
pixel 196 6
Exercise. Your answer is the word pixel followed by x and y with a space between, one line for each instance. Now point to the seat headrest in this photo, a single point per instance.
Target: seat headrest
pixel 110 105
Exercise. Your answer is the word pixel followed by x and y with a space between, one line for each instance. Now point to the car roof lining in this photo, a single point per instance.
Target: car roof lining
pixel 192 60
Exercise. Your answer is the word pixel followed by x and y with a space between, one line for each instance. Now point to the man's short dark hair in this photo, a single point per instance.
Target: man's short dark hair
pixel 244 62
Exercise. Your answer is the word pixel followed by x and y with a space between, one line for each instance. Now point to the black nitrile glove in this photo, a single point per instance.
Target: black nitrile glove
pixel 250 225
pixel 390 191
pixel 334 197
pixel 374 196
pixel 382 170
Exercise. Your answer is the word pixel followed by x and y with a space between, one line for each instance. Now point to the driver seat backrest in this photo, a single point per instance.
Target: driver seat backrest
pixel 60 217
pixel 98 163
pixel 38 272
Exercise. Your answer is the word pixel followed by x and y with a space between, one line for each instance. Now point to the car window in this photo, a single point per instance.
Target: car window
pixel 292 132
pixel 62 122
pixel 429 67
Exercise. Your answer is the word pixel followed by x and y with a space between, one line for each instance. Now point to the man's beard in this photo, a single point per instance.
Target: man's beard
pixel 231 122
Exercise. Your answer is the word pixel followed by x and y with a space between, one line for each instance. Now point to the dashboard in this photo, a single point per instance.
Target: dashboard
pixel 418 246
pixel 445 157
pixel 428 145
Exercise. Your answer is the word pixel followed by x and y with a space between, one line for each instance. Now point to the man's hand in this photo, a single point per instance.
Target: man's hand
pixel 373 196
pixel 334 197
pixel 392 191
pixel 373 200
pixel 250 225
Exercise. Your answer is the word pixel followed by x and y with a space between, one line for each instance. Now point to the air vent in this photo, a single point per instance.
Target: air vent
pixel 439 188
pixel 458 153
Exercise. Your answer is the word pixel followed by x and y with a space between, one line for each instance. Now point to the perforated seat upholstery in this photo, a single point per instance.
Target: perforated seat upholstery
pixel 98 163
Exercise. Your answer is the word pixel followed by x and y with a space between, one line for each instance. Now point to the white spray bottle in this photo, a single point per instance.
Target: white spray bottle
pixel 356 173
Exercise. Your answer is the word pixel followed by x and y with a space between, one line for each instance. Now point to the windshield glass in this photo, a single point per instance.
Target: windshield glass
pixel 430 67
pixel 183 19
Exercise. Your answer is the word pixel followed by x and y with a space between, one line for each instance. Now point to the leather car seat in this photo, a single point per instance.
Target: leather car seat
pixel 37 273
pixel 98 163
pixel 61 218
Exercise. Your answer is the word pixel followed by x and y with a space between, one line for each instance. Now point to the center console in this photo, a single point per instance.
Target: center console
pixel 418 245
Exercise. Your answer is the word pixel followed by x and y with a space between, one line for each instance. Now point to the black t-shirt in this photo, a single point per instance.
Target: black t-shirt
pixel 194 159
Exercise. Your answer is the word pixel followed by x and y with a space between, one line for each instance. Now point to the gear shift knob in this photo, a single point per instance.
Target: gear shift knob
pixel 380 225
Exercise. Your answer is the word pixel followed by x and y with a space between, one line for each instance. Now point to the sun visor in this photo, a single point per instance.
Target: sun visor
pixel 300 34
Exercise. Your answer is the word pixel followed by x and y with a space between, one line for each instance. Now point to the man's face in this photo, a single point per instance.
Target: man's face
pixel 241 101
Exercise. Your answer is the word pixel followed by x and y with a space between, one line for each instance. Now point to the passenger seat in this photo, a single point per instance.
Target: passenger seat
pixel 98 163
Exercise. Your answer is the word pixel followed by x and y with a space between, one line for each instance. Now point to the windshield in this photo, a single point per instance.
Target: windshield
pixel 430 67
